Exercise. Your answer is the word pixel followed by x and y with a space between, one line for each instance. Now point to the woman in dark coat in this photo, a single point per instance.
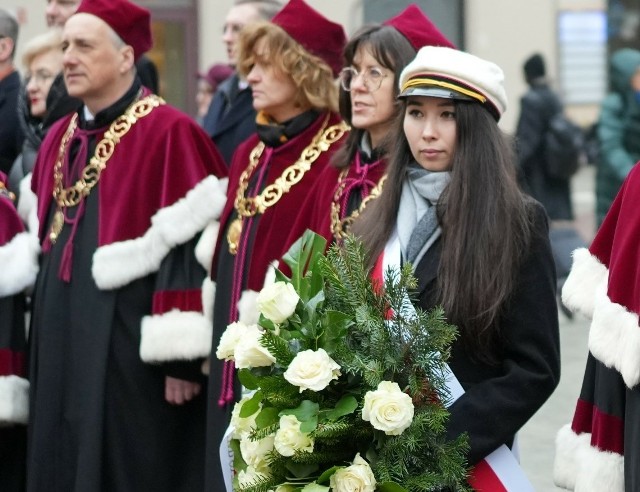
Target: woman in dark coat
pixel 480 249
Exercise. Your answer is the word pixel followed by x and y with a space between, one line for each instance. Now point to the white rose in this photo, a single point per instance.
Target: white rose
pixel 243 426
pixel 254 453
pixel 388 408
pixel 229 339
pixel 312 370
pixel 289 439
pixel 249 352
pixel 355 478
pixel 278 301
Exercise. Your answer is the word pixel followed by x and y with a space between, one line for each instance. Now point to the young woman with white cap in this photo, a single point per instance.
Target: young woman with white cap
pixel 452 208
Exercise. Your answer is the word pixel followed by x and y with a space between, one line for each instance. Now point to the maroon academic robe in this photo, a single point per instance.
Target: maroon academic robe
pixel 238 278
pixel 130 314
pixel 361 177
pixel 19 266
pixel 600 448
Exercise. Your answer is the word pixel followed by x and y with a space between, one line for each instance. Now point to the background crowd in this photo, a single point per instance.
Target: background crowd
pixel 133 234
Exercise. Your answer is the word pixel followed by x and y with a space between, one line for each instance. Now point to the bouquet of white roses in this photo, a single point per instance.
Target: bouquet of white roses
pixel 346 390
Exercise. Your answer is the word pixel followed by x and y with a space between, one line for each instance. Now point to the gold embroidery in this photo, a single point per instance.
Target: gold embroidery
pixel 73 195
pixel 339 227
pixel 250 206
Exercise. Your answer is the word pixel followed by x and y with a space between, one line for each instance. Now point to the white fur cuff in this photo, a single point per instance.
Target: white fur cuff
pixel 176 335
pixel 614 338
pixel 583 468
pixel 117 264
pixel 18 263
pixel 579 290
pixel 14 400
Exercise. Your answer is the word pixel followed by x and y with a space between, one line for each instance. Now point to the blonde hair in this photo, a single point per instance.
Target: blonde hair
pixel 50 40
pixel 314 79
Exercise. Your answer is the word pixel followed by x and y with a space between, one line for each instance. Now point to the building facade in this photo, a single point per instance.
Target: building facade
pixel 187 38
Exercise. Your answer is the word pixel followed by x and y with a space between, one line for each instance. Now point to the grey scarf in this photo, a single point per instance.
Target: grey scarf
pixel 418 226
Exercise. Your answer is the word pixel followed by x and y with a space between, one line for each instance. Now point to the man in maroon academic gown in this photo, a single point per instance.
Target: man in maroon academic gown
pixel 19 265
pixel 125 187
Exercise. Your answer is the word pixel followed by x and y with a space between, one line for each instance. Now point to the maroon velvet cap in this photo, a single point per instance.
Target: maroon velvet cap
pixel 414 25
pixel 317 34
pixel 129 21
pixel 216 74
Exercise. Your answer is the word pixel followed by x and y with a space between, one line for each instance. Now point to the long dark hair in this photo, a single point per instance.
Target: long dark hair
pixel 485 222
pixel 393 51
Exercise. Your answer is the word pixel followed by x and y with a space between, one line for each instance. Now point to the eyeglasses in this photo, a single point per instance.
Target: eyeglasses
pixel 371 78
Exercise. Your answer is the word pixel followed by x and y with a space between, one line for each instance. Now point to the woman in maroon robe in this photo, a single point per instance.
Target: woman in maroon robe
pixel 374 58
pixel 290 65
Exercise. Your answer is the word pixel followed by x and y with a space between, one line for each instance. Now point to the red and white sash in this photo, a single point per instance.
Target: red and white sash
pixel 498 472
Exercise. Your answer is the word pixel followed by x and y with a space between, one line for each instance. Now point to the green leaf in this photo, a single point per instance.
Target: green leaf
pixel 390 487
pixel 326 475
pixel 306 411
pixel 309 425
pixel 251 406
pixel 247 379
pixel 300 256
pixel 268 416
pixel 335 326
pixel 346 405
pixel 238 463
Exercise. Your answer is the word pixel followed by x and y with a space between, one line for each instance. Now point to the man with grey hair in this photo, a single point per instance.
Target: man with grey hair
pixel 11 135
pixel 125 186
pixel 58 11
pixel 231 117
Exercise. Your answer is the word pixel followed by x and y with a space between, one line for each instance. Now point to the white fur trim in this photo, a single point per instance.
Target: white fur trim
pixel 208 298
pixel 569 445
pixel 248 308
pixel 18 263
pixel 614 338
pixel 28 204
pixel 117 264
pixel 207 244
pixel 579 466
pixel 14 400
pixel 176 335
pixel 587 273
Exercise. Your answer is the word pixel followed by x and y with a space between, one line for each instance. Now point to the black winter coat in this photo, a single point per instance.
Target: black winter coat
pixel 537 107
pixel 231 118
pixel 500 399
pixel 11 135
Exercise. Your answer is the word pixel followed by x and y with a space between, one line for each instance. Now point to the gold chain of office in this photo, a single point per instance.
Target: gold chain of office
pixel 339 227
pixel 73 195
pixel 250 206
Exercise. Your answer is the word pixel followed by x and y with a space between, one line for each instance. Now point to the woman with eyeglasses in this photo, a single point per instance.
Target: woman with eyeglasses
pixel 374 58
pixel 41 104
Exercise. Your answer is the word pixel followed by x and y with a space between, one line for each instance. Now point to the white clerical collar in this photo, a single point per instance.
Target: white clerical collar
pixel 242 84
pixel 87 114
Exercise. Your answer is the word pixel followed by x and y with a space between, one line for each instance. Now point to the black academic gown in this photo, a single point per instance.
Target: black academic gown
pixel 230 118
pixel 99 420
